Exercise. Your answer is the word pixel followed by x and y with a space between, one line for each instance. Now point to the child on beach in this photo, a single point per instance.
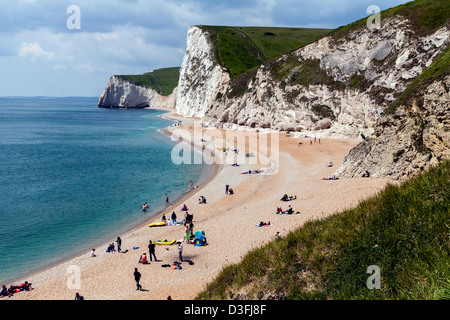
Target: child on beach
pixel 143 259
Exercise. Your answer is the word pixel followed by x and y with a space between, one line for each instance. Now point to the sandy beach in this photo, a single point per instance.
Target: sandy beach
pixel 229 222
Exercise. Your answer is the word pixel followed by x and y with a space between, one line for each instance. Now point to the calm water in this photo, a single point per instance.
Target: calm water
pixel 73 175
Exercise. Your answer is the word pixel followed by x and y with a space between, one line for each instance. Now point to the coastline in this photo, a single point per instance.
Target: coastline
pixel 224 217
pixel 203 180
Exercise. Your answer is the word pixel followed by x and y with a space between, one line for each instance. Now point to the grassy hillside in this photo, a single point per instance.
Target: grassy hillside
pixel 239 49
pixel 404 230
pixel 426 16
pixel 162 81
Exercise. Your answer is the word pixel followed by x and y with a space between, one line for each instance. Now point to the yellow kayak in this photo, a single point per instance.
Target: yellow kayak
pixel 164 242
pixel 157 224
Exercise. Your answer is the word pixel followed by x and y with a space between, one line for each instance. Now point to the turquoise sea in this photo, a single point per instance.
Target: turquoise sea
pixel 73 176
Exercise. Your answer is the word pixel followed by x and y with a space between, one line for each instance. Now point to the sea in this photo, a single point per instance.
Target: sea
pixel 74 176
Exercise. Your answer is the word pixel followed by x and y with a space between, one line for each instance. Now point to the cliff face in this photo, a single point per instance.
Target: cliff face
pixel 120 93
pixel 332 87
pixel 200 75
pixel 415 136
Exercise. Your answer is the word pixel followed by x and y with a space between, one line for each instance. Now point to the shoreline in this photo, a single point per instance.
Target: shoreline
pixel 301 169
pixel 203 180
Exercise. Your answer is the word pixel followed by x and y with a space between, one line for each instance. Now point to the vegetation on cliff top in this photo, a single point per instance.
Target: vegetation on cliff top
pixel 240 49
pixel 162 80
pixel 426 17
pixel 404 230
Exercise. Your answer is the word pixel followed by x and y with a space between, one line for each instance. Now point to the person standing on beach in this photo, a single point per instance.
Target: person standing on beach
pixel 186 232
pixel 226 188
pixel 180 251
pixel 137 278
pixel 119 244
pixel 151 250
pixel 174 218
pixel 191 228
pixel 191 184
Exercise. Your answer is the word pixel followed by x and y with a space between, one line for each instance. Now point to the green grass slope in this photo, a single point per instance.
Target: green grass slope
pixel 404 230
pixel 426 16
pixel 162 80
pixel 240 49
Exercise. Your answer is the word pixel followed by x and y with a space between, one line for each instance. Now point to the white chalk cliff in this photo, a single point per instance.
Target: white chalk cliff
pixel 200 75
pixel 364 72
pixel 334 87
pixel 120 93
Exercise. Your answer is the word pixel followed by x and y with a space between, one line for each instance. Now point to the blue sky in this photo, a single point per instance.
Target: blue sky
pixel 41 56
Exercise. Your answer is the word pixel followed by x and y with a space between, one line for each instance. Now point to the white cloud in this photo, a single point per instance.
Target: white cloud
pixel 34 50
pixel 59 67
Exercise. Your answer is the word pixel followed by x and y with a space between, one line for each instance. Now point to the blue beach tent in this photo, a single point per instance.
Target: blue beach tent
pixel 199 238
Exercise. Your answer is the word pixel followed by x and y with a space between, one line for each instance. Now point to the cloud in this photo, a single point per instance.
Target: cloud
pixel 134 36
pixel 34 50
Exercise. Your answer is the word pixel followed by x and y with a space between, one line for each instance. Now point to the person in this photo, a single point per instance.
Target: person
pixel 230 191
pixel 163 218
pixel 188 217
pixel 191 184
pixel 180 250
pixel 167 198
pixel 4 291
pixel 110 248
pixel 119 244
pixel 145 207
pixel 227 187
pixel 277 236
pixel 366 174
pixel 191 228
pixel 151 250
pixel 78 296
pixel 174 218
pixel 143 259
pixel 92 254
pixel 290 210
pixel 137 278
pixel 185 208
pixel 186 233
pixel 331 164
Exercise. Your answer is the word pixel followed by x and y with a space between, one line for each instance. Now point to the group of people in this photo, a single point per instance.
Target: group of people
pixel 228 189
pixel 15 288
pixel 202 200
pixel 288 198
pixel 288 211
pixel 264 224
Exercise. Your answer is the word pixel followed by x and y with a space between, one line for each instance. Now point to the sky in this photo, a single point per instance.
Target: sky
pixel 66 48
